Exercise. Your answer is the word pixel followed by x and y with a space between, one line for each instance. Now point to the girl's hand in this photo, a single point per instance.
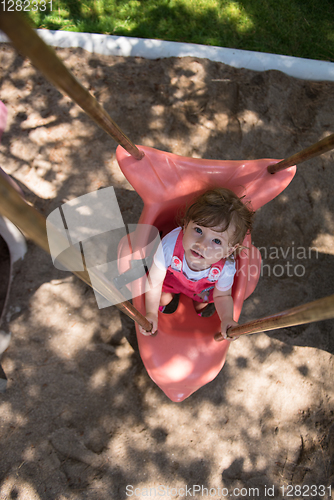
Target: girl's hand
pixel 225 324
pixel 152 318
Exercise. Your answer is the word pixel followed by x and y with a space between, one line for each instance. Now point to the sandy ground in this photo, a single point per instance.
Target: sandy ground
pixel 81 419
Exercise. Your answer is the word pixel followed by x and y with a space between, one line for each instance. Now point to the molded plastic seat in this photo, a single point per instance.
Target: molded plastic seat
pixel 183 356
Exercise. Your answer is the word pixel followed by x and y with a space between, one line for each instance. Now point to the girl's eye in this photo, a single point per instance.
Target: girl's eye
pixel 218 242
pixel 198 230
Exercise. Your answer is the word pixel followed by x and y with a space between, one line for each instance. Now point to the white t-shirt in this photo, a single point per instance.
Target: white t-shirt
pixel 163 259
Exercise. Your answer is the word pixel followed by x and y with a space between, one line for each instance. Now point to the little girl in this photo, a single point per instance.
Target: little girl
pixel 197 259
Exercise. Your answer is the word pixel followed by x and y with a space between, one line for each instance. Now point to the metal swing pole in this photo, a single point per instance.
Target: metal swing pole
pixel 306 154
pixel 44 58
pixel 33 224
pixel 307 313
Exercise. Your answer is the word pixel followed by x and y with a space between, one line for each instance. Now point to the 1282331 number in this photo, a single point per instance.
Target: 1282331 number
pixel 26 5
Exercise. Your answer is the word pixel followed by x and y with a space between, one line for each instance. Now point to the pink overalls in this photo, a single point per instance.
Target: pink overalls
pixel 176 281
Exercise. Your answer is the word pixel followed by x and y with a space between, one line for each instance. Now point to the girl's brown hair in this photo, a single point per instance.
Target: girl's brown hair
pixel 218 208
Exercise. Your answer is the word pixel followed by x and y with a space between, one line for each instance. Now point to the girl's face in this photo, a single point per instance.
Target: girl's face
pixel 204 246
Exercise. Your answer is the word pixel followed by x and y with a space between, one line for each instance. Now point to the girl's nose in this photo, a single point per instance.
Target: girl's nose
pixel 202 247
pixel 201 241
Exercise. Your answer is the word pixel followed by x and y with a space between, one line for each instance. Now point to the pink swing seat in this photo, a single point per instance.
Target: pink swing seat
pixel 183 356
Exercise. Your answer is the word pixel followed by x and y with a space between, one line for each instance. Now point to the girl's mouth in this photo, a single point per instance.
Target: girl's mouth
pixel 196 254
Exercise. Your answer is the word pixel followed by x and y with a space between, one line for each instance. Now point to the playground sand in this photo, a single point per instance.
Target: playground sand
pixel 81 419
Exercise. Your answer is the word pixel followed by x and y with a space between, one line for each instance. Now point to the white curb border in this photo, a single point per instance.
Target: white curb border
pixel 307 69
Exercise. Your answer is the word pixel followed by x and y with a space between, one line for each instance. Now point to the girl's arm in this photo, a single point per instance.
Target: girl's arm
pixel 154 283
pixel 224 306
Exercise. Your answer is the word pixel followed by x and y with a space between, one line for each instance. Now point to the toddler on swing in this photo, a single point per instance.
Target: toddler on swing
pixel 198 258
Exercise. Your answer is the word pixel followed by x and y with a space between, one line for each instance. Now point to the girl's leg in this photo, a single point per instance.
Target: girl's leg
pixel 199 306
pixel 166 298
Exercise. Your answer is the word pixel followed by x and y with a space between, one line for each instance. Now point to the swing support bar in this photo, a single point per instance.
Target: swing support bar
pixel 307 313
pixel 33 224
pixel 316 149
pixel 26 41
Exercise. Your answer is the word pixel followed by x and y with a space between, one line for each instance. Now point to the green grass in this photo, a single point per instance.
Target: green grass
pixel 302 28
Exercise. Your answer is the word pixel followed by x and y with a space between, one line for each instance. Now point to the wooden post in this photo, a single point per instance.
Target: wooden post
pixel 33 224
pixel 307 313
pixel 26 41
pixel 306 154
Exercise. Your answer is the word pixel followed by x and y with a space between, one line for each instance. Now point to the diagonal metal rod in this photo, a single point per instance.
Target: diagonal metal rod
pixel 316 149
pixel 26 41
pixel 307 313
pixel 33 224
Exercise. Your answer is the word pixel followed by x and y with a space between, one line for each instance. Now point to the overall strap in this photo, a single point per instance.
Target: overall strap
pixel 178 249
pixel 178 253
